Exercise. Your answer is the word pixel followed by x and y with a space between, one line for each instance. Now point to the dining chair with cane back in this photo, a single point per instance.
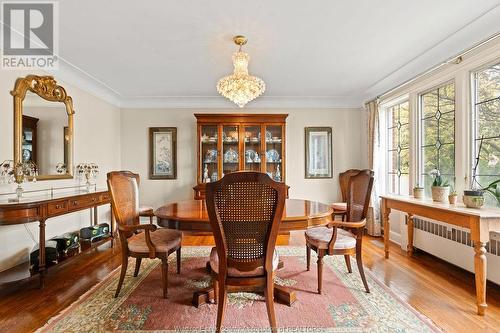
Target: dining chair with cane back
pixel 340 208
pixel 245 210
pixel 344 237
pixel 153 242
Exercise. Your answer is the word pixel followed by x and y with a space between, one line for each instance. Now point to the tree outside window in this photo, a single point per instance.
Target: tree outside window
pixel 398 144
pixel 486 125
pixel 437 135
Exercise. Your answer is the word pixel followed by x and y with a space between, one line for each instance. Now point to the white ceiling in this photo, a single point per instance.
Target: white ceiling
pixel 318 53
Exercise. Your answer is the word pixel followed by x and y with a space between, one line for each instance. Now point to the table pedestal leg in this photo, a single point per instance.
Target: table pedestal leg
pixel 387 228
pixel 409 247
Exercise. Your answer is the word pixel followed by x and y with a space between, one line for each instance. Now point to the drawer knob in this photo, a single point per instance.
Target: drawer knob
pixel 75 203
pixel 57 206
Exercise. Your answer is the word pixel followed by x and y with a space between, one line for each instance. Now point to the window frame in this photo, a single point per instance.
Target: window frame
pixel 385 133
pixel 473 119
pixel 419 170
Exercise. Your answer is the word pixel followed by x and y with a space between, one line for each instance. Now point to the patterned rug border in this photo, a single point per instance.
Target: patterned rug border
pixel 193 252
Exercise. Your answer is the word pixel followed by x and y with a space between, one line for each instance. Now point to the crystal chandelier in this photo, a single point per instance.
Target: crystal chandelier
pixel 240 87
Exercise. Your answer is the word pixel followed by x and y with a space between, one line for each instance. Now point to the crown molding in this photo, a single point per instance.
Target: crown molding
pixel 219 102
pixel 479 29
pixel 77 77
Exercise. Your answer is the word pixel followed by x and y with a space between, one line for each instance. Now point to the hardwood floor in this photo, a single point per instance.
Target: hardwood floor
pixel 439 290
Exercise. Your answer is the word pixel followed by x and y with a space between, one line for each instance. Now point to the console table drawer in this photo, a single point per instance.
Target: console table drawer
pixel 83 202
pixel 56 208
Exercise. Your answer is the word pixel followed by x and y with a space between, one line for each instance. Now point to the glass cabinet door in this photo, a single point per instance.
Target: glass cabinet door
pixel 208 153
pixel 274 151
pixel 252 158
pixel 230 149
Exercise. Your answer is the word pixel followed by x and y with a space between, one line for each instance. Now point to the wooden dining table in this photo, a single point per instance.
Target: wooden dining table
pixel 192 216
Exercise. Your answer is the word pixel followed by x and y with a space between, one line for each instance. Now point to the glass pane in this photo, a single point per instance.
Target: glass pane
pixel 447 160
pixel 427 185
pixel 489 119
pixel 208 156
pixel 393 162
pixel 447 128
pixel 489 161
pixel 252 148
pixel 404 184
pixel 393 139
pixel 429 128
pixel 393 185
pixel 488 83
pixel 274 152
pixel 230 149
pixel 447 98
pixel 429 104
pixel 404 134
pixel 429 156
pixel 404 113
pixel 489 200
pixel 404 161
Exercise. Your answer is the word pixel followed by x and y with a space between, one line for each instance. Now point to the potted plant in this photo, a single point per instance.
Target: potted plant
pixel 452 197
pixel 474 198
pixel 440 187
pixel 418 192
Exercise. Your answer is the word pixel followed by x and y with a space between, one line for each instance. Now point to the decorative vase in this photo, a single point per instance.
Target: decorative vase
pixel 440 193
pixel 473 198
pixel 418 192
pixel 452 198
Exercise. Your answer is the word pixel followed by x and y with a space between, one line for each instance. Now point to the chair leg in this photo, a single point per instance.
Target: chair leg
pixel 348 262
pixel 178 254
pixel 221 306
pixel 359 261
pixel 137 266
pixel 320 270
pixel 216 289
pixel 164 277
pixel 122 274
pixel 269 295
pixel 308 257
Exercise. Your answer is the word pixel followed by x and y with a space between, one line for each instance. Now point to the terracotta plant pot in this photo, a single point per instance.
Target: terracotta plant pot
pixel 418 192
pixel 452 198
pixel 440 193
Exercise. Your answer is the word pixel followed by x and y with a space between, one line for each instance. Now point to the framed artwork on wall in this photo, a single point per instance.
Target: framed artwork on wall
pixel 318 159
pixel 163 153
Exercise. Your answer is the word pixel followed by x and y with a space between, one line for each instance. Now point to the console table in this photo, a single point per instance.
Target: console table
pixel 479 221
pixel 40 208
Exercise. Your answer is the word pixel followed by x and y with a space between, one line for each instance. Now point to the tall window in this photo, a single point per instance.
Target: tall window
pixel 398 145
pixel 437 134
pixel 487 126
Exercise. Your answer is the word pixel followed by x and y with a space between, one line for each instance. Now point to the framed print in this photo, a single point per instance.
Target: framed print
pixel 318 152
pixel 163 153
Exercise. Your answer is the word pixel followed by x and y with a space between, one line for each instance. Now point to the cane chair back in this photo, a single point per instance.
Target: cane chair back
pixel 124 190
pixel 358 195
pixel 344 182
pixel 245 209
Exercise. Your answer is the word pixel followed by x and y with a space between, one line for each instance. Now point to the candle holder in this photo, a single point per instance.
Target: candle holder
pixel 88 171
pixel 18 173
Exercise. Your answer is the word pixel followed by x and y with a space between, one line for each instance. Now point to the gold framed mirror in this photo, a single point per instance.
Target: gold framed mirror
pixel 43 126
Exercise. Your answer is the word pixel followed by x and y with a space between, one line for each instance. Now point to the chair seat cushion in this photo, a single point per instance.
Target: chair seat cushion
pixel 339 207
pixel 321 236
pixel 146 211
pixel 233 272
pixel 163 239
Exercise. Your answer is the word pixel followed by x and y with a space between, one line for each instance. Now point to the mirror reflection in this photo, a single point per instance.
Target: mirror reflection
pixel 45 136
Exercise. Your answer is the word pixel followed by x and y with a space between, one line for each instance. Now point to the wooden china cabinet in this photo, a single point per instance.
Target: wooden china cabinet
pixel 234 142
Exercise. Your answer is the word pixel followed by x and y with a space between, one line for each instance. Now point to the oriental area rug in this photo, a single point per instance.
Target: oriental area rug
pixel 343 307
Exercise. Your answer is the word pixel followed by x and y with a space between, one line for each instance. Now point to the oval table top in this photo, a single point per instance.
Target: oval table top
pixel 192 215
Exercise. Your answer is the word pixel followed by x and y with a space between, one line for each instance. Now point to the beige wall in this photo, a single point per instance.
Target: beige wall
pixel 348 147
pixel 97 139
